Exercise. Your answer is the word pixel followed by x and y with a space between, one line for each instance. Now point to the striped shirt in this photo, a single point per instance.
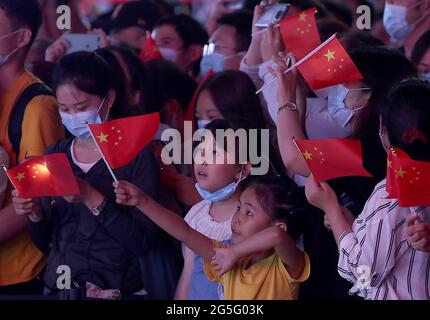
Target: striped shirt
pixel 376 257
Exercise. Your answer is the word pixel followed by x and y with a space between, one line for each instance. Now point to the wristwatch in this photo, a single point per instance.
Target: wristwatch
pixel 97 210
pixel 288 106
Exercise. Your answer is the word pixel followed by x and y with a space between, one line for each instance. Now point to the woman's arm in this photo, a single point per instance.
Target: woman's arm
pixel 288 123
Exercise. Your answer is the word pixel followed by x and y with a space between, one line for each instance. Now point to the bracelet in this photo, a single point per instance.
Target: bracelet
pixel 288 106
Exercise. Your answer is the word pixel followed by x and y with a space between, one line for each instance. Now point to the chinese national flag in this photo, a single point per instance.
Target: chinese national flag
pixel 121 140
pixel 190 115
pixel 149 50
pixel 328 66
pixel 49 175
pixel 409 180
pixel 300 33
pixel 332 158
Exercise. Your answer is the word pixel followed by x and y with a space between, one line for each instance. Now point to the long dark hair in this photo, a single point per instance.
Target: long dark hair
pixel 90 73
pixel 233 93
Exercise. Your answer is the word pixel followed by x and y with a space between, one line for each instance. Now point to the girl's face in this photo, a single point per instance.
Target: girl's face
pixel 250 218
pixel 206 109
pixel 71 100
pixel 212 171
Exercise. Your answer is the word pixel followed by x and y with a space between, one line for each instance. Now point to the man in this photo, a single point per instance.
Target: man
pixel 229 43
pixel 181 39
pixel 39 126
pixel 131 21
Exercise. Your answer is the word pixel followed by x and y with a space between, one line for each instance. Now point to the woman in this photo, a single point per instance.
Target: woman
pixel 98 240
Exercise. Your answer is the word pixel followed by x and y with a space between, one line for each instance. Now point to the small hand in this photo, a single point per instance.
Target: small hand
pixel 128 194
pixel 223 260
pixel 418 233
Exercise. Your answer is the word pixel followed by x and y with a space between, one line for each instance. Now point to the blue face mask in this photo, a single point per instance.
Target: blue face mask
pixel 336 105
pixel 76 123
pixel 221 194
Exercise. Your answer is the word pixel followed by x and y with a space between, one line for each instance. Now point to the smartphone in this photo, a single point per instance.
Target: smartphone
pixel 238 5
pixel 82 42
pixel 272 14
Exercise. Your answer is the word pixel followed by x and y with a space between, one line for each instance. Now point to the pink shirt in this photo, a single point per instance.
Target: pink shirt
pixel 377 242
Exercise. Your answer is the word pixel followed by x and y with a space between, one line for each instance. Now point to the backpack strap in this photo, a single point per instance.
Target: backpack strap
pixel 17 113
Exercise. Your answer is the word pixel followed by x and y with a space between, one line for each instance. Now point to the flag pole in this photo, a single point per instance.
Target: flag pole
pixel 298 63
pixel 295 143
pixel 5 170
pixel 103 156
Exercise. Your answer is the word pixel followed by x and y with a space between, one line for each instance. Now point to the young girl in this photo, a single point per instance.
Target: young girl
pixel 212 217
pixel 263 262
pixel 374 247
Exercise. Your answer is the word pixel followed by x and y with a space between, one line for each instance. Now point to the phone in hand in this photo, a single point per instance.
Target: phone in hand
pixel 82 42
pixel 272 14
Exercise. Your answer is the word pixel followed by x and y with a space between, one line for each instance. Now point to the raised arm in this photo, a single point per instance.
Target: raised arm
pixel 272 238
pixel 129 194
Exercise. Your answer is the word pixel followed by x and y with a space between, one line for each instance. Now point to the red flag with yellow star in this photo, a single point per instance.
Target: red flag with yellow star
pixel 149 50
pixel 408 180
pixel 328 66
pixel 49 175
pixel 332 158
pixel 121 140
pixel 300 33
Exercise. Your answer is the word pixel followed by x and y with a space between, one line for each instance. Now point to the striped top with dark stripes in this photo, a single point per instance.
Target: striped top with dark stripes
pixel 376 249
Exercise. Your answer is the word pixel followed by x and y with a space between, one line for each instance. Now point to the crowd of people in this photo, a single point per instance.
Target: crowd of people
pixel 212 230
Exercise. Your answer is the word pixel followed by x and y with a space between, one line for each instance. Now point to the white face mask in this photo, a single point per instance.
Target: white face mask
pixel 169 54
pixel 395 21
pixel 201 124
pixel 76 123
pixel 336 104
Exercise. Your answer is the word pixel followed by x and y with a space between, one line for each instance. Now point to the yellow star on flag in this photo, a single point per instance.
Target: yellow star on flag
pixel 20 176
pixel 302 16
pixel 308 155
pixel 389 163
pixel 103 137
pixel 400 173
pixel 330 55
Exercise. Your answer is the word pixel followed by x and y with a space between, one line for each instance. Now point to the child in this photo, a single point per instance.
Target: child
pixel 374 252
pixel 211 217
pixel 263 262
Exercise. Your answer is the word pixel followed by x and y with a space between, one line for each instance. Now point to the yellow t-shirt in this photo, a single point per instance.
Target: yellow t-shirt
pixel 268 279
pixel 20 260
